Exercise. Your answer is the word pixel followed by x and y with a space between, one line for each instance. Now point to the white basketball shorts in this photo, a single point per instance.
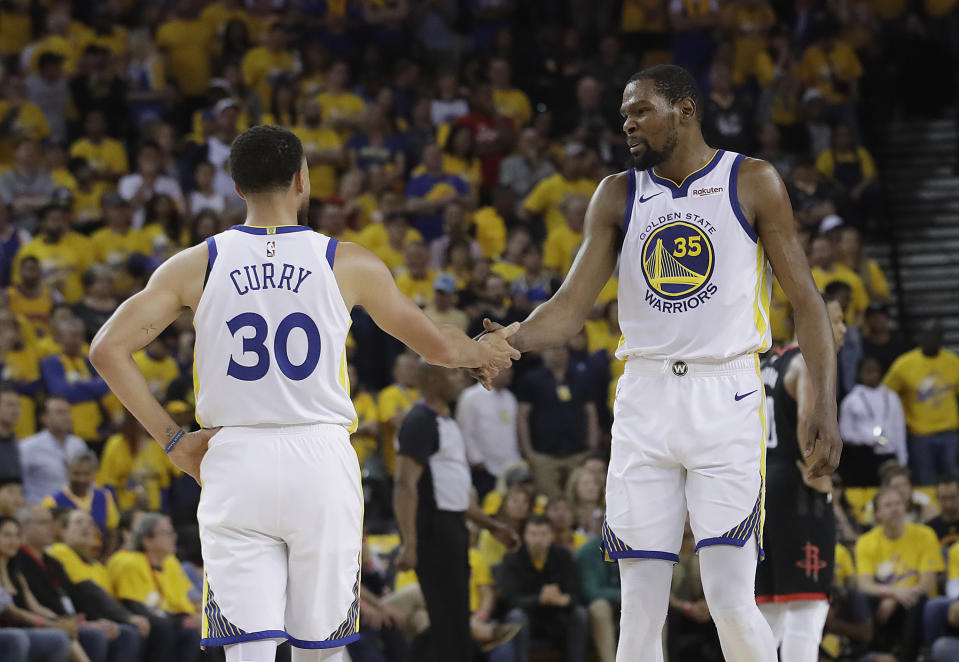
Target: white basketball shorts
pixel 281 528
pixel 685 436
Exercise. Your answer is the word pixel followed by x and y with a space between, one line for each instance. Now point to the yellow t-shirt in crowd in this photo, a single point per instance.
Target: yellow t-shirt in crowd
pixel 490 231
pixel 139 477
pixel 845 568
pixel 889 10
pixel 15 32
pixel 366 411
pixel 827 160
pixel 61 263
pixel 29 122
pixel 899 562
pixel 643 16
pixel 391 257
pixel 751 24
pixel 876 280
pixel 167 589
pixel 840 272
pixel 392 400
pixel 928 388
pixel 513 104
pixel 507 270
pixel 158 373
pixel 342 105
pixel 375 236
pixel 548 194
pixel 821 70
pixel 215 16
pixel 939 8
pixel 260 65
pixel 188 43
pixel 86 204
pixel 108 155
pixel 114 250
pixel 322 175
pixel 87 416
pixel 35 310
pixel 609 292
pixel 560 248
pixel 22 365
pixel 79 570
pixel 420 290
pixel 480 575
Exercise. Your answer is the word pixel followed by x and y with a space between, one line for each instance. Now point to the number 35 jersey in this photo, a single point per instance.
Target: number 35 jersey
pixel 694 282
pixel 271 331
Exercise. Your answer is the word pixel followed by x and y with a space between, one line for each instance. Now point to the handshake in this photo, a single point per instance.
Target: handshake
pixel 498 352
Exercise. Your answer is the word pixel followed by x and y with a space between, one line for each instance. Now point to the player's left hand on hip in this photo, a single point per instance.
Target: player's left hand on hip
pixel 823 443
pixel 188 453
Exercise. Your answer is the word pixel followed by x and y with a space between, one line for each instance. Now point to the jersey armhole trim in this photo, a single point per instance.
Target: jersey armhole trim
pixel 630 194
pixel 331 251
pixel 211 247
pixel 734 199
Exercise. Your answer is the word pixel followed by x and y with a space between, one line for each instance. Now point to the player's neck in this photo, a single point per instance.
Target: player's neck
pixel 685 160
pixel 269 211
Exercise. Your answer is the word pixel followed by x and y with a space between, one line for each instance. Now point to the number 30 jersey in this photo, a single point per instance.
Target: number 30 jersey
pixel 271 331
pixel 694 282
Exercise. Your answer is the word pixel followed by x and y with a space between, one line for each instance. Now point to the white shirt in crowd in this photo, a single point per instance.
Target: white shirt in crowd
pixel 487 420
pixel 868 415
pixel 200 201
pixel 129 185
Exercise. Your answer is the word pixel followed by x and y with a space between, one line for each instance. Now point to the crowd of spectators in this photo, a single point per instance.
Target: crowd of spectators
pixel 460 140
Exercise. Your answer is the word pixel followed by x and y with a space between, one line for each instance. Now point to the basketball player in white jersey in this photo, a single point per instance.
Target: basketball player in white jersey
pixel 281 509
pixel 700 228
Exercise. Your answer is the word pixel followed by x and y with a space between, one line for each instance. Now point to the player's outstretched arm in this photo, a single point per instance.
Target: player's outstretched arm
pixel 765 201
pixel 365 281
pixel 175 285
pixel 560 318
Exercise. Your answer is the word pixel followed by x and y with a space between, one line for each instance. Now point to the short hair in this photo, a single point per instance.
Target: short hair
pixel 6 518
pixel 835 289
pixel 52 398
pixel 85 455
pixel 145 529
pixel 29 258
pixel 264 159
pixel 673 82
pixel 892 469
pixel 538 520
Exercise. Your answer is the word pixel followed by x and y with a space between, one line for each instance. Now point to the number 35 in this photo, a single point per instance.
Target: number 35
pixel 687 246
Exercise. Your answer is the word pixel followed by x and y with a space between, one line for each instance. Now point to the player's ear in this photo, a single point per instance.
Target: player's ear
pixel 239 192
pixel 687 109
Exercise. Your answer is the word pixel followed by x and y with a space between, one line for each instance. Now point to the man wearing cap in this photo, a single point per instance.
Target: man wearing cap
pixel 139 187
pixel 546 197
pixel 443 309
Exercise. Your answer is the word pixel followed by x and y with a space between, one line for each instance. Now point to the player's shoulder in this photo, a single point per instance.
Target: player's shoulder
pixel 612 194
pixel 755 172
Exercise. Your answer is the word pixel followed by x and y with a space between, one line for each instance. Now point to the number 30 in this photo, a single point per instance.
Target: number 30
pixel 256 345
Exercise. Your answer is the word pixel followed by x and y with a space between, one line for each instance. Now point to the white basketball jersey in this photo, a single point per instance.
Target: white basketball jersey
pixel 694 282
pixel 271 331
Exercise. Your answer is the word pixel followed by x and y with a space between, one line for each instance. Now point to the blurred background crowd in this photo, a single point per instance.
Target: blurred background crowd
pixel 460 140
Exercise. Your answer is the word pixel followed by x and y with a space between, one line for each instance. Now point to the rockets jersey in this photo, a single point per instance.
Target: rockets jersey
pixel 271 330
pixel 694 281
pixel 782 447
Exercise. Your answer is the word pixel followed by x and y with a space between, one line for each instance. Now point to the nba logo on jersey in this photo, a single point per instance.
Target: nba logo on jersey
pixel 270 248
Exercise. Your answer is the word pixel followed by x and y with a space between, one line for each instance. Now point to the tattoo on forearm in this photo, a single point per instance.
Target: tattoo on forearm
pixel 171 431
pixel 149 329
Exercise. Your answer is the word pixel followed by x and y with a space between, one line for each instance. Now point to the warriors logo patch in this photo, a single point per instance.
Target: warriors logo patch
pixel 677 260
